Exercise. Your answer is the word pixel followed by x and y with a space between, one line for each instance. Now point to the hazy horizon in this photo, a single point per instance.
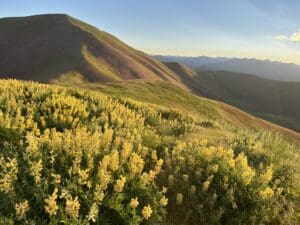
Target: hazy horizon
pixel 227 57
pixel 266 30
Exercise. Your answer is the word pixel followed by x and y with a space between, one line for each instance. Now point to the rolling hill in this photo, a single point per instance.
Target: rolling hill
pixel 263 68
pixel 58 47
pixel 276 101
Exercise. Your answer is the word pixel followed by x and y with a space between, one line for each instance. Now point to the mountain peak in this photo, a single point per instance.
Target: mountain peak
pixel 50 47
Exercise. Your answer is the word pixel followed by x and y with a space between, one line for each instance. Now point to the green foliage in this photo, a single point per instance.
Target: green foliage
pixel 74 156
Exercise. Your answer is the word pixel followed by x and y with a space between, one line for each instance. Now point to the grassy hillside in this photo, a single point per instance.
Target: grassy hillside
pixel 275 101
pixel 167 95
pixel 271 100
pixel 183 72
pixel 53 47
pixel 83 157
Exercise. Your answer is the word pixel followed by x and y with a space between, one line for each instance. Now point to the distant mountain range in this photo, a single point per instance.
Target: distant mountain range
pixel 262 68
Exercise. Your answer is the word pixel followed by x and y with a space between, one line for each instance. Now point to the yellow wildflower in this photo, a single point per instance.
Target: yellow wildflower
pixel 279 191
pixel 163 201
pixel 206 184
pixel 185 177
pixel 247 175
pixel 21 209
pixel 104 179
pixel 267 193
pixel 134 203
pixel 179 198
pixel 234 205
pixel 147 178
pixel 246 171
pixel 267 176
pixel 126 150
pixel 98 195
pixel 164 190
pixel 115 160
pixel 120 184
pixel 146 212
pixel 181 160
pixel 215 168
pixel 72 207
pixel 51 206
pixel 35 170
pixel 93 213
pixel 215 196
pixel 154 155
pixel 231 163
pixel 191 161
pixel 8 174
pixel 136 164
pixel 64 194
pixel 203 143
pixel 158 166
pixel 105 162
pixel 83 176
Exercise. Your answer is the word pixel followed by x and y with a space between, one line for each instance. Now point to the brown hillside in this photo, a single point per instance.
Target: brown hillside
pixel 45 47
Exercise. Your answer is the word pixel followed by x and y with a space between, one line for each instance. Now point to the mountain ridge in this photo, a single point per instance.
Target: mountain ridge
pixel 76 48
pixel 268 69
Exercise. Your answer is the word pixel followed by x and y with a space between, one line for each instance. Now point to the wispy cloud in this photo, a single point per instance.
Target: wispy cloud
pixel 282 37
pixel 295 37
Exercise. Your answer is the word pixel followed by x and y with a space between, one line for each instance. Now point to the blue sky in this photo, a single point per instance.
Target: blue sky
pixel 264 29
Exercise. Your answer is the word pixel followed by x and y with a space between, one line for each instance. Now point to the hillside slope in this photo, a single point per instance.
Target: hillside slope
pixel 183 72
pixel 56 46
pixel 276 101
pixel 272 100
pixel 171 96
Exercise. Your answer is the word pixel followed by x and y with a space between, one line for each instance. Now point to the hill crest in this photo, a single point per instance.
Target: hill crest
pixel 53 46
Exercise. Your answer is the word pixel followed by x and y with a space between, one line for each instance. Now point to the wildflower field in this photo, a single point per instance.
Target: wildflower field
pixel 78 156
